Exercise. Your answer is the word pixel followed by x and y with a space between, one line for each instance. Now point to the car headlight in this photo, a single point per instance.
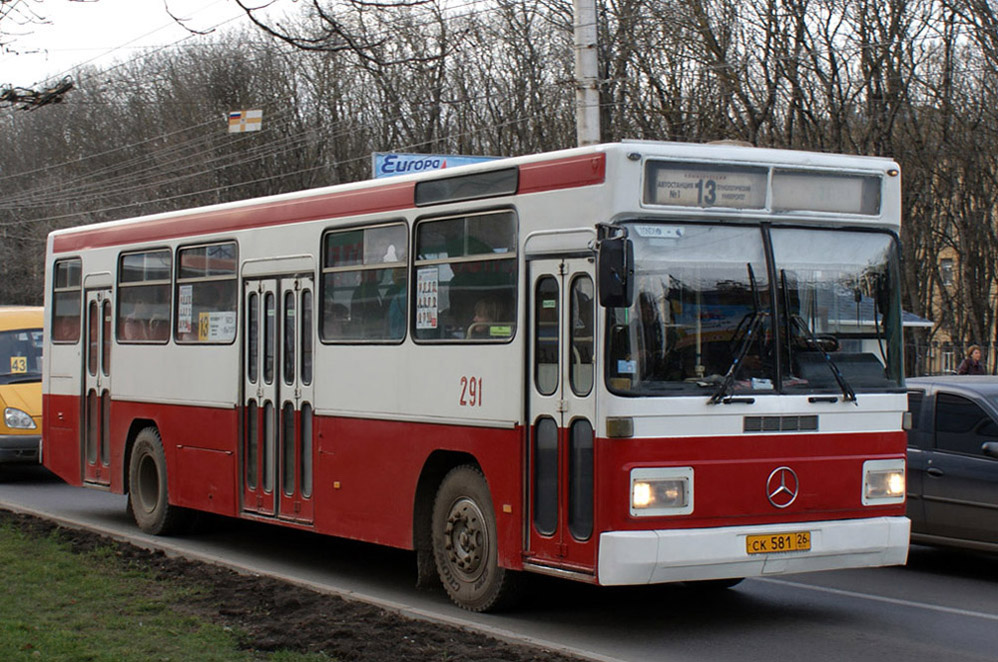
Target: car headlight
pixel 17 419
pixel 661 491
pixel 883 482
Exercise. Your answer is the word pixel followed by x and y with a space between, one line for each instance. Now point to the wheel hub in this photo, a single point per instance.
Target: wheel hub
pixel 466 538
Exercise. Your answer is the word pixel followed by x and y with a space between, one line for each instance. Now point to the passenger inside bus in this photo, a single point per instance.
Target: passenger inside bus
pixel 159 328
pixel 134 328
pixel 366 306
pixel 394 301
pixel 489 319
pixel 335 321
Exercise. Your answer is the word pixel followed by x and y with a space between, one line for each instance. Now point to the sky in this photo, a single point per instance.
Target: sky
pixel 100 32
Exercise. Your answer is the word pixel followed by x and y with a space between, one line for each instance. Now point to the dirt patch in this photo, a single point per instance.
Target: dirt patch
pixel 275 615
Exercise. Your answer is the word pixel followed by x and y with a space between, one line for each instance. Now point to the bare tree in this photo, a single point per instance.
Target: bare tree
pixel 24 14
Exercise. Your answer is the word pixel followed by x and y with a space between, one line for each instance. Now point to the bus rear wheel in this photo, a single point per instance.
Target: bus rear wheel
pixel 465 543
pixel 148 497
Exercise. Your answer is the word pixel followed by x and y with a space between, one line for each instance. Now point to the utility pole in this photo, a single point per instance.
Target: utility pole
pixel 586 73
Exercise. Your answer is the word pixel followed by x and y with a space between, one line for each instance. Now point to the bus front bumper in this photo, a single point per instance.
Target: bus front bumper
pixel 19 447
pixel 652 557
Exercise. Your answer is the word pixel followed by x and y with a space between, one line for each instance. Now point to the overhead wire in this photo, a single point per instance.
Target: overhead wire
pixel 102 73
pixel 111 184
pixel 162 158
pixel 36 194
pixel 114 49
pixel 217 189
pixel 77 194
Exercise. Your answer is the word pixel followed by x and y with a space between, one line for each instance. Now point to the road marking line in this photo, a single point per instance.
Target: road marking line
pixel 879 598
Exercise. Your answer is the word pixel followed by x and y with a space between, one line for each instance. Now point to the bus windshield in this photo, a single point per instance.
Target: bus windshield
pixel 723 310
pixel 20 356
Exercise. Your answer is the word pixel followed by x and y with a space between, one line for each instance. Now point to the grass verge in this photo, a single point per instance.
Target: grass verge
pixel 92 606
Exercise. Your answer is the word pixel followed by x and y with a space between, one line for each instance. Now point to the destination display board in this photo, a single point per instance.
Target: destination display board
pixel 795 190
pixel 700 185
pixel 707 186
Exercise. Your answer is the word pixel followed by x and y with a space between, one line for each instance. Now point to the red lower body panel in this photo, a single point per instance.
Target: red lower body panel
pixel 366 472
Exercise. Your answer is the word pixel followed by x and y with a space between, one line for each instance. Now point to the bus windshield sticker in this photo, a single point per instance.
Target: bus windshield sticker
pixel 627 367
pixel 659 231
pixel 426 298
pixel 185 310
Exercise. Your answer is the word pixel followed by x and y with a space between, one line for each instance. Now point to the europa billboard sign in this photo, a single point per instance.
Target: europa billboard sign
pixel 390 164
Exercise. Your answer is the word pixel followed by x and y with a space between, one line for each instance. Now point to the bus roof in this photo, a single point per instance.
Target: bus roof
pixel 582 166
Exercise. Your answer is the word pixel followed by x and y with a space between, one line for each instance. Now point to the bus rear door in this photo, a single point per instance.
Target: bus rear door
pixel 561 409
pixel 96 442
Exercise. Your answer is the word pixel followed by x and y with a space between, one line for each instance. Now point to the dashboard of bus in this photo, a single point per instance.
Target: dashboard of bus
pixel 725 310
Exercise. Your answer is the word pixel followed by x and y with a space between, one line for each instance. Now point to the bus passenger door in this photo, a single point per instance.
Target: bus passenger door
pixel 277 397
pixel 295 434
pixel 561 408
pixel 260 385
pixel 96 442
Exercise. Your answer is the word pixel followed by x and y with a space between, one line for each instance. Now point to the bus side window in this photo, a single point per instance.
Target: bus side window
pixel 364 284
pixel 66 297
pixel 144 290
pixel 581 335
pixel 206 295
pixel 466 277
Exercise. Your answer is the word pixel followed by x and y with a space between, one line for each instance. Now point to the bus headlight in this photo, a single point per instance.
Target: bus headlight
pixel 883 482
pixel 16 419
pixel 661 491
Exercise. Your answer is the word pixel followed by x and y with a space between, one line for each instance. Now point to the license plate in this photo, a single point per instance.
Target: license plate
pixel 796 541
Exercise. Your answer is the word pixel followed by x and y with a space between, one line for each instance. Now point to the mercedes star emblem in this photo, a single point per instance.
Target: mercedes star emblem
pixel 782 487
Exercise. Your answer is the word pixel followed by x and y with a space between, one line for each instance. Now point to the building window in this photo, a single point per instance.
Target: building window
pixel 946 270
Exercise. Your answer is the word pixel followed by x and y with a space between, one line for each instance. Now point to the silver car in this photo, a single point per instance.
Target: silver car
pixel 953 461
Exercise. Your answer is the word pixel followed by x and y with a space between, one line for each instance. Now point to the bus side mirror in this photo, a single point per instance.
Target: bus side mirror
pixel 615 266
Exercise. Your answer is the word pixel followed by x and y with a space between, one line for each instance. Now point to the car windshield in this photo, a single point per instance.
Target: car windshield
pixel 20 356
pixel 712 316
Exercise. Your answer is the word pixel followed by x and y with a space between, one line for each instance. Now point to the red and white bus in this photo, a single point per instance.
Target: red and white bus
pixel 622 364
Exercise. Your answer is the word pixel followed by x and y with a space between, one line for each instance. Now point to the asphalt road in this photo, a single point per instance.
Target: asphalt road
pixel 942 606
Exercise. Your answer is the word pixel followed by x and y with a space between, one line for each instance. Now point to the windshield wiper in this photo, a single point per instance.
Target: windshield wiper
pixel 736 364
pixel 794 319
pixel 847 390
pixel 755 318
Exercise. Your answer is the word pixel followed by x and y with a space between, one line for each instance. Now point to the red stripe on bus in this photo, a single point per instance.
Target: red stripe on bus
pixel 390 197
pixel 585 170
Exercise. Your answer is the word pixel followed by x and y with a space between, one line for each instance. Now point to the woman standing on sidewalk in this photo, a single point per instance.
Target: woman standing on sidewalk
pixel 972 364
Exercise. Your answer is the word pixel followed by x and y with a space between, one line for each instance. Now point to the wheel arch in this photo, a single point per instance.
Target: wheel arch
pixel 434 469
pixel 136 426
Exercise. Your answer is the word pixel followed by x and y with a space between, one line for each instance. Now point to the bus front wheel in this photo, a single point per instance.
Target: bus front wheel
pixel 465 543
pixel 148 498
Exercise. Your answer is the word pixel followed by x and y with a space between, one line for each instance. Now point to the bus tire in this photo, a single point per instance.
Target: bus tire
pixel 465 543
pixel 148 496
